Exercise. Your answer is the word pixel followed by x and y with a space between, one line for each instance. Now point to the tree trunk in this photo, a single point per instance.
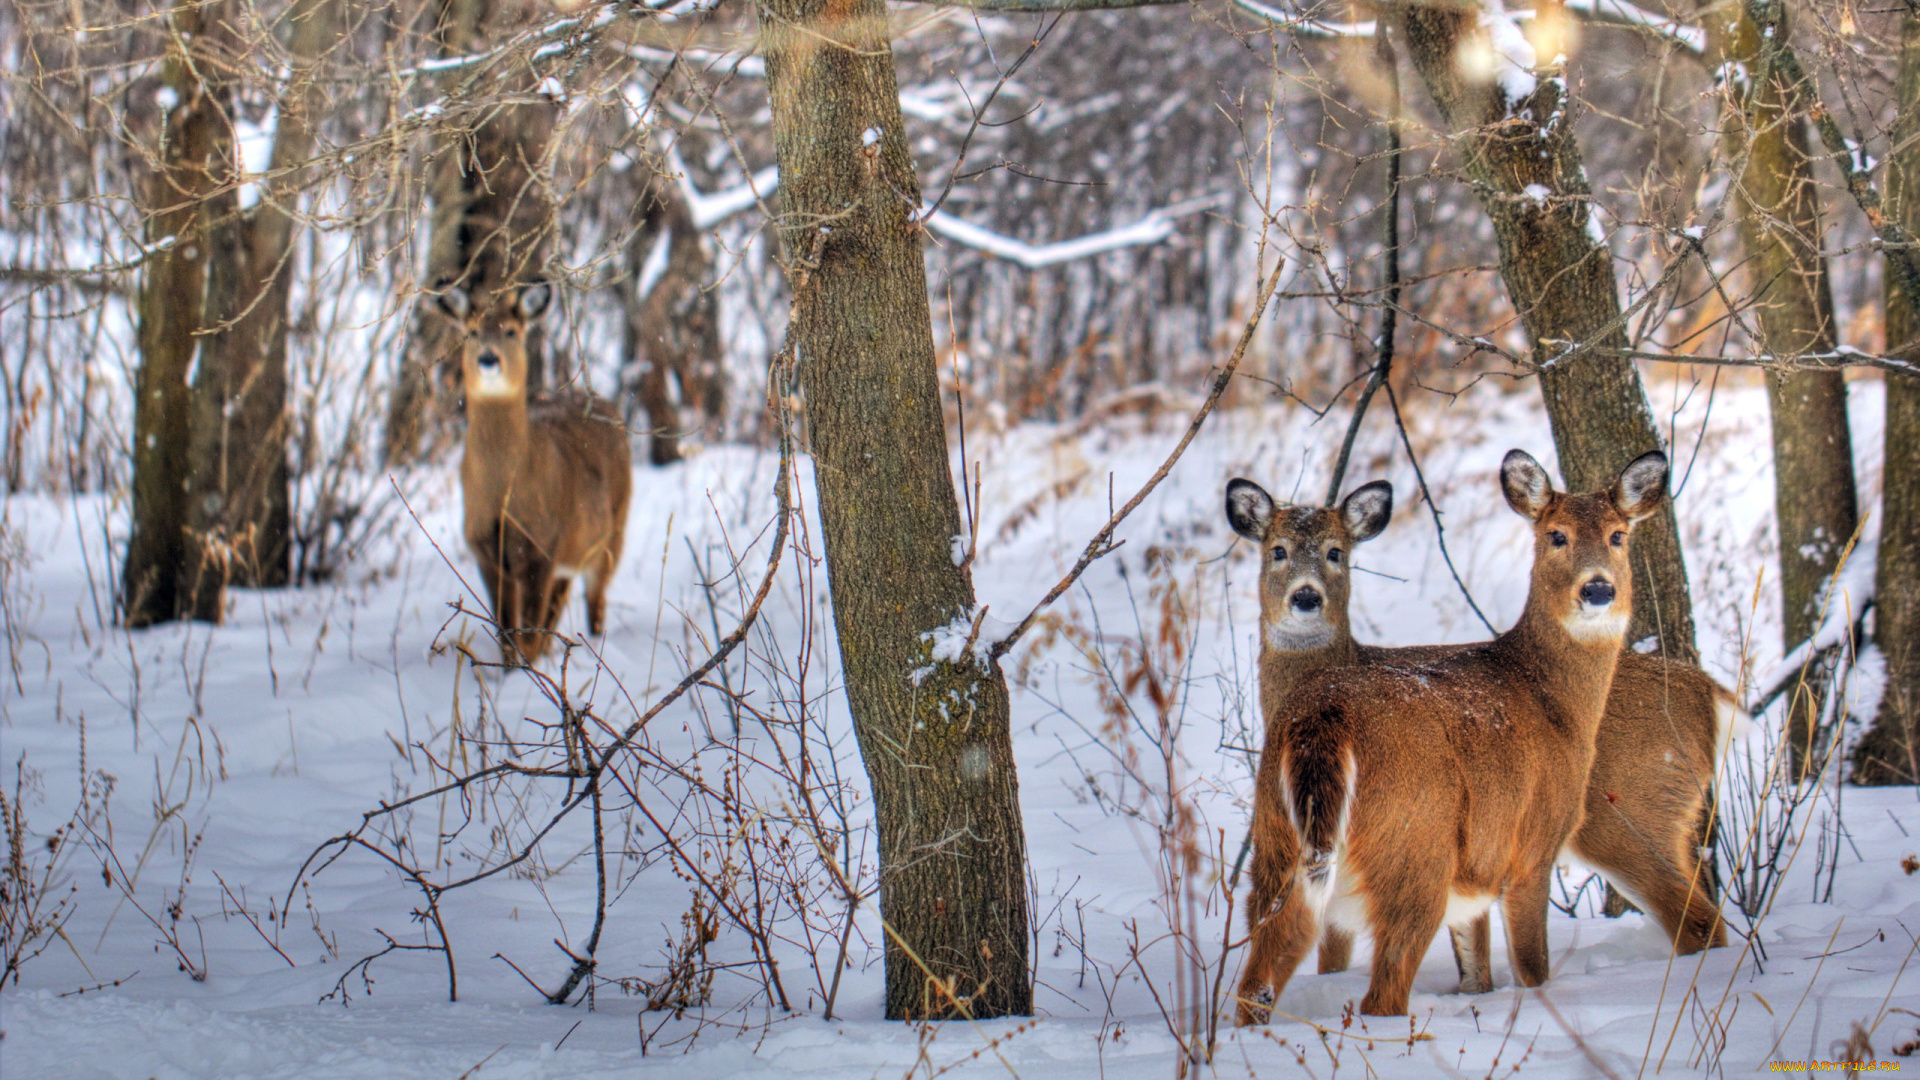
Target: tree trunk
pixel 241 505
pixel 1890 751
pixel 933 733
pixel 172 299
pixel 492 229
pixel 672 325
pixel 1777 208
pixel 1561 281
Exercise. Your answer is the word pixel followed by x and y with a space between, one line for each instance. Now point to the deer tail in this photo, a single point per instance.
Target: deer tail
pixel 1319 777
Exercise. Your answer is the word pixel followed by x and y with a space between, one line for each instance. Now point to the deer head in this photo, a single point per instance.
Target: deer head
pixel 1306 553
pixel 1581 577
pixel 494 351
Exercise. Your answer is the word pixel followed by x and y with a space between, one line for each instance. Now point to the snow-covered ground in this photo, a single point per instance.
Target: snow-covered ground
pixel 235 750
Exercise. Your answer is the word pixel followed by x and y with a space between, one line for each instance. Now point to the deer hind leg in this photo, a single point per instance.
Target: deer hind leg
pixel 599 573
pixel 1401 935
pixel 1473 954
pixel 1280 929
pixel 1336 950
pixel 556 601
pixel 1525 906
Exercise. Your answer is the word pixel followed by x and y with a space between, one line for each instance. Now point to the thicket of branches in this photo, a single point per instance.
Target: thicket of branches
pixel 222 219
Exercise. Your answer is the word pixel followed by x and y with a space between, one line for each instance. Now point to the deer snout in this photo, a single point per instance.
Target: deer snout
pixel 1597 593
pixel 488 360
pixel 1306 600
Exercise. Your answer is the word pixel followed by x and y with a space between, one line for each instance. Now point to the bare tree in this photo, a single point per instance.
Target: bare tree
pixel 240 512
pixel 1515 136
pixel 193 162
pixel 932 722
pixel 492 219
pixel 1890 751
pixel 673 348
pixel 1776 205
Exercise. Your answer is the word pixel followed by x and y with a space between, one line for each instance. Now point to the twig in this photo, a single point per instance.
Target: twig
pixel 1102 542
pixel 1390 238
pixel 1439 530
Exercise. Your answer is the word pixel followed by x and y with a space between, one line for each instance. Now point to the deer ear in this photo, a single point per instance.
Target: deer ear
pixel 1367 509
pixel 1525 484
pixel 1642 484
pixel 1249 509
pixel 454 303
pixel 534 298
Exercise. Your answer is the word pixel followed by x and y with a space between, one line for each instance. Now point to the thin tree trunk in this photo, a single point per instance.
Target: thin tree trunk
pixel 1890 751
pixel 241 509
pixel 1777 208
pixel 1561 281
pixel 673 324
pixel 933 733
pixel 171 309
pixel 492 229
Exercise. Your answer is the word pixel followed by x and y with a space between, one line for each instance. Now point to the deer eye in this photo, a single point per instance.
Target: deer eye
pixel 513 331
pixel 1333 556
pixel 1558 538
pixel 1279 554
pixel 1619 537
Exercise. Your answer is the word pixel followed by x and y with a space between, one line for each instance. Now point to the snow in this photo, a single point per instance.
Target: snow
pixel 1537 192
pixel 870 136
pixel 266 735
pixel 1513 54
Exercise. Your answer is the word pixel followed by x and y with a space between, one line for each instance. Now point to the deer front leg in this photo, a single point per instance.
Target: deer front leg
pixel 536 583
pixel 1473 954
pixel 1400 940
pixel 1525 906
pixel 1336 950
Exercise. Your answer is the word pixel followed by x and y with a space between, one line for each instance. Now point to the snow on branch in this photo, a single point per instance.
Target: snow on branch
pixel 557 36
pixel 1693 39
pixel 711 209
pixel 1148 231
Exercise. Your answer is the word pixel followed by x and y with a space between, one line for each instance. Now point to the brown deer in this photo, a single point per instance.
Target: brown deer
pixel 1399 797
pixel 546 479
pixel 1658 748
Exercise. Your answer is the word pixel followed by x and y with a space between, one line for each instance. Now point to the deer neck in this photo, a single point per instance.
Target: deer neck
pixel 1283 669
pixel 498 437
pixel 1574 676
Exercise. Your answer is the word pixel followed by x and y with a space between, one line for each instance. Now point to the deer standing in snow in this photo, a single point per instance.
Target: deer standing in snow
pixel 546 479
pixel 1398 796
pixel 1658 747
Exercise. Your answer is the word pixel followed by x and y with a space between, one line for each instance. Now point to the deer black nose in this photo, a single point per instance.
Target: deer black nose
pixel 1306 600
pixel 487 360
pixel 1596 593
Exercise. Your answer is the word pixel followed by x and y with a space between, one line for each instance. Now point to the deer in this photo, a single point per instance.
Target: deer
pixel 1395 796
pixel 545 479
pixel 1649 794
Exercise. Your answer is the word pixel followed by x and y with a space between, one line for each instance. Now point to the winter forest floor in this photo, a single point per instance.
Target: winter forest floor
pixel 232 752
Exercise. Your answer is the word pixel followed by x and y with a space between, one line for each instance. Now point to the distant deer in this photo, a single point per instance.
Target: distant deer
pixel 1658 748
pixel 546 479
pixel 1398 797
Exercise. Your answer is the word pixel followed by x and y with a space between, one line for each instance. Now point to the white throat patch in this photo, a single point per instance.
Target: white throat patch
pixel 1592 625
pixel 491 385
pixel 1296 633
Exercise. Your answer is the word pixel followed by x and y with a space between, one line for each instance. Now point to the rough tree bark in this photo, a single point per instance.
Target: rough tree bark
pixel 1562 283
pixel 1890 751
pixel 673 323
pixel 492 228
pixel 240 504
pixel 171 310
pixel 1777 211
pixel 933 733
